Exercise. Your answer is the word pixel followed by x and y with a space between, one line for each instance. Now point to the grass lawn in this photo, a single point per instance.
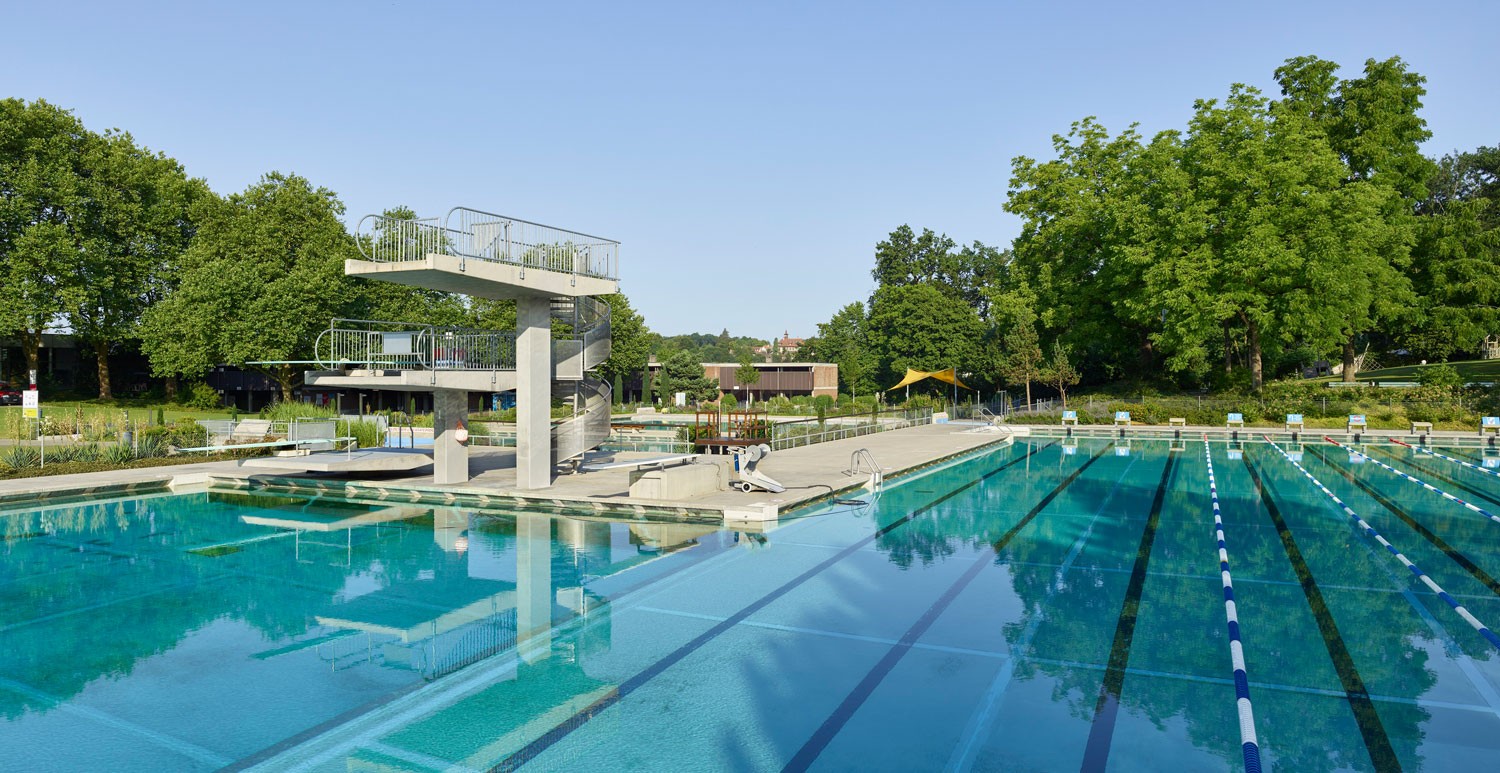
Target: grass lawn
pixel 1470 370
pixel 138 412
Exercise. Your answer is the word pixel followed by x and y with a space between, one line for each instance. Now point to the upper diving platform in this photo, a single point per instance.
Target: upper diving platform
pixel 485 255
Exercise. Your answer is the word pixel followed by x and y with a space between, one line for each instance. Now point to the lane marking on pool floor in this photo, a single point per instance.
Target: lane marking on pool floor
pixel 173 743
pixel 1249 741
pixel 1453 554
pixel 1371 729
pixel 968 745
pixel 362 725
pixel 1107 705
pixel 633 683
pixel 846 709
pixel 1426 579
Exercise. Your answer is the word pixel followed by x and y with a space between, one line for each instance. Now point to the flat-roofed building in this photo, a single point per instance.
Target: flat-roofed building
pixel 788 379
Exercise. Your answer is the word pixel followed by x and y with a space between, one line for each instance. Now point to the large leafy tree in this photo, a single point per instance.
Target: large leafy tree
pixel 630 347
pixel 261 280
pixel 1291 248
pixel 90 228
pixel 843 340
pixel 919 326
pixel 1456 261
pixel 1372 123
pixel 907 258
pixel 1079 218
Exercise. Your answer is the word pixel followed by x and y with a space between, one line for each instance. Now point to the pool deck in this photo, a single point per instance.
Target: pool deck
pixel 810 473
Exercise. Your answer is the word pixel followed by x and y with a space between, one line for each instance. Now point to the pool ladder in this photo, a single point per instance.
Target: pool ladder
pixel 862 462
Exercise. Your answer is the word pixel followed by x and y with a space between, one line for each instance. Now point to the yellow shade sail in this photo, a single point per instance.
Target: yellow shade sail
pixel 946 376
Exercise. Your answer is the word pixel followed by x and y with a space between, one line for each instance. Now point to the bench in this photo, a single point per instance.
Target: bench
pixel 1421 427
pixel 1122 416
pixel 1070 417
pixel 1356 420
pixel 1176 422
pixel 1234 420
pixel 250 430
pixel 1294 419
pixel 1489 424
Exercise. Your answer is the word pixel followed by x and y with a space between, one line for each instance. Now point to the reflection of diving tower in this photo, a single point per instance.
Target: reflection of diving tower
pixel 549 272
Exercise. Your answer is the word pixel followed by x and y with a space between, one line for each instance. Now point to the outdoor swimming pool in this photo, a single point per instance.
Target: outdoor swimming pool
pixel 1045 606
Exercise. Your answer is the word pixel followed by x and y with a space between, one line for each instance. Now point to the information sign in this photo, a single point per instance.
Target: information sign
pixel 31 404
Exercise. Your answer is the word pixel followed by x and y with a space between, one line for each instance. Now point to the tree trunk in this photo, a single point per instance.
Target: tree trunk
pixel 1349 359
pixel 1028 393
pixel 101 351
pixel 1252 341
pixel 31 346
pixel 1228 350
pixel 172 386
pixel 286 378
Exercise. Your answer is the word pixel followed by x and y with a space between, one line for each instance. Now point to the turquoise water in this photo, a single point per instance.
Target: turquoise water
pixel 1039 607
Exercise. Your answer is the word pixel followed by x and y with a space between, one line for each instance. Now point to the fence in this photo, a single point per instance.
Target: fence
pixel 794 434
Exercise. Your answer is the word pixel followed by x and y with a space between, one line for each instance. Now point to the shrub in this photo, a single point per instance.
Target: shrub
pixel 119 453
pixel 823 402
pixel 366 433
pixel 282 411
pixel 729 402
pixel 1440 375
pixel 201 396
pixel 21 458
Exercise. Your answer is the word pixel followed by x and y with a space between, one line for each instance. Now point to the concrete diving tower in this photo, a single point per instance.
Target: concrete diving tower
pixel 549 272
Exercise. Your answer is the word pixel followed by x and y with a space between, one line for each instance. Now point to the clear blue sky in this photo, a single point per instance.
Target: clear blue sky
pixel 748 156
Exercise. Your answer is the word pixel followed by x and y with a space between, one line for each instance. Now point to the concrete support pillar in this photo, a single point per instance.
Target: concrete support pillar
pixel 533 393
pixel 534 592
pixel 450 458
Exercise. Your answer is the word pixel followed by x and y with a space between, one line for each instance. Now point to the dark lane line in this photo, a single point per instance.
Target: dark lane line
pixel 1107 707
pixel 1440 475
pixel 835 722
pixel 1377 743
pixel 1438 542
pixel 562 730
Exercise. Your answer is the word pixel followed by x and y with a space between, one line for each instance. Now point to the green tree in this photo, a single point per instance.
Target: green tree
pixel 90 227
pixel 843 341
pixel 682 372
pixel 630 346
pixel 131 225
pixel 747 373
pixel 1372 123
pixel 1456 260
pixel 260 281
pixel 919 326
pixel 1059 371
pixel 1022 361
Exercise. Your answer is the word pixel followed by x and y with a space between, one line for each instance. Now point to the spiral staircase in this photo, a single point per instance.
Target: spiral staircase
pixel 551 273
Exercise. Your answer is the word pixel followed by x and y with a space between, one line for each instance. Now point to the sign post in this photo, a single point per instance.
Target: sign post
pixel 31 408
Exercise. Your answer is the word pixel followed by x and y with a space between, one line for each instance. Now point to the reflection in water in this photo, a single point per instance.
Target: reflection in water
pixel 330 605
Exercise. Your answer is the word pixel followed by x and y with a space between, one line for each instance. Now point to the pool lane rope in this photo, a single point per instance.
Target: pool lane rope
pixel 1422 483
pixel 1473 467
pixel 1249 744
pixel 1370 530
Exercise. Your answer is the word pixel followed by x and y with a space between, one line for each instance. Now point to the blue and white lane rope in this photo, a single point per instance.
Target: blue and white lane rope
pixel 1249 744
pixel 1370 530
pixel 1473 467
pixel 1424 484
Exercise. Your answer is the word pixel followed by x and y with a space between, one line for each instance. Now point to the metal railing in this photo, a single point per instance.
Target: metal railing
pixel 589 425
pixel 794 434
pixel 504 239
pixel 388 239
pixel 377 344
pixel 472 234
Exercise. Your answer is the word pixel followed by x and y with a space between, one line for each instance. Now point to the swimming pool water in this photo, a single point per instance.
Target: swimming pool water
pixel 1046 606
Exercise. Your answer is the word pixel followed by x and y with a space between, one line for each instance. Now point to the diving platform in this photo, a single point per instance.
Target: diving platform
pixel 413 380
pixel 482 278
pixel 365 460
